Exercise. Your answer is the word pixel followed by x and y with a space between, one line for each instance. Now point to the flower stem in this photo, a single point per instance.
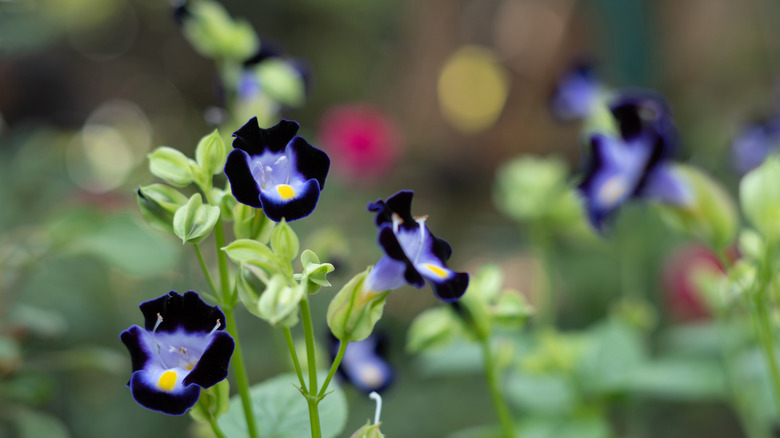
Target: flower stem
pixel 242 380
pixel 333 368
pixel 294 355
pixel 507 425
pixel 205 270
pixel 312 399
pixel 215 427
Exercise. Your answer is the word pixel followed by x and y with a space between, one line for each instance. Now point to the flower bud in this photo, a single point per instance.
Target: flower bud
pixel 158 204
pixel 211 31
pixel 279 303
pixel 354 311
pixel 759 194
pixel 368 431
pixel 194 221
pixel 170 165
pixel 432 329
pixel 282 82
pixel 211 153
pixel 314 272
pixel 251 223
pixel 284 241
pixel 709 216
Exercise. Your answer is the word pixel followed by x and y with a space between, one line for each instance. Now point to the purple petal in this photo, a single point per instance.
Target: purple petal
pixel 310 161
pixel 297 207
pixel 212 367
pixel 387 274
pixel 145 391
pixel 187 312
pixel 255 140
pixel 137 342
pixel 666 186
pixel 242 183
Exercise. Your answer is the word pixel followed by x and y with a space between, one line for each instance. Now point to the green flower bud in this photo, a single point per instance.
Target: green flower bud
pixel 282 82
pixel 759 193
pixel 284 241
pixel 711 215
pixel 279 303
pixel 245 250
pixel 211 153
pixel 368 431
pixel 751 245
pixel 170 165
pixel 194 221
pixel 213 402
pixel 354 311
pixel 226 202
pixel 433 328
pixel 158 204
pixel 511 310
pixel 250 284
pixel 214 34
pixel 314 272
pixel 526 187
pixel 251 223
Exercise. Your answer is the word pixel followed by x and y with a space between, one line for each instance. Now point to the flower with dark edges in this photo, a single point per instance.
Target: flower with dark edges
pixel 413 253
pixel 635 163
pixel 276 170
pixel 576 93
pixel 754 143
pixel 181 349
pixel 364 364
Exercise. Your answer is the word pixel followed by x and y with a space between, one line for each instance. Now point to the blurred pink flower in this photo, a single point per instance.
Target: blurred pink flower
pixel 362 141
pixel 682 275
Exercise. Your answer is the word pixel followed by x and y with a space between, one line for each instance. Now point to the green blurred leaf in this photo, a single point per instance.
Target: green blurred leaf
pixel 281 411
pixel 680 379
pixel 557 427
pixel 613 351
pixel 549 394
pixel 35 424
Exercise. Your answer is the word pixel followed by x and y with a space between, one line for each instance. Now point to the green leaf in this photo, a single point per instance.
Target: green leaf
pixel 614 350
pixel 680 379
pixel 245 250
pixel 170 165
pixel 759 195
pixel 590 426
pixel 211 153
pixel 35 424
pixel 193 222
pixel 284 241
pixel 433 328
pixel 549 394
pixel 281 411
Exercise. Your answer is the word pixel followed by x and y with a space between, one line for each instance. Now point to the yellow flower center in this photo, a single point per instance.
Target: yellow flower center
pixel 167 381
pixel 285 191
pixel 439 272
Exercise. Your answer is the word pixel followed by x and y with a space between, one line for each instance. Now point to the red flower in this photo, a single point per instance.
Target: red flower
pixel 682 274
pixel 362 141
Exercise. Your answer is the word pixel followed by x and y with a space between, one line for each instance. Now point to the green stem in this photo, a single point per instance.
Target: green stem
pixel 311 399
pixel 507 425
pixel 294 355
pixel 333 368
pixel 215 427
pixel 205 269
pixel 242 380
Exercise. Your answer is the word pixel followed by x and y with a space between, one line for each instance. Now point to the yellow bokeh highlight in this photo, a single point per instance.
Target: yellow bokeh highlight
pixel 167 381
pixel 472 89
pixel 285 191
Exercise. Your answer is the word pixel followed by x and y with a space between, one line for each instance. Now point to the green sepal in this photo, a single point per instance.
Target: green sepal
pixel 158 204
pixel 751 244
pixel 211 153
pixel 226 202
pixel 759 194
pixel 250 285
pixel 171 166
pixel 282 82
pixel 711 216
pixel 511 310
pixel 214 34
pixel 368 431
pixel 354 311
pixel 314 272
pixel 194 221
pixel 431 329
pixel 279 303
pixel 245 250
pixel 284 241
pixel 213 402
pixel 251 223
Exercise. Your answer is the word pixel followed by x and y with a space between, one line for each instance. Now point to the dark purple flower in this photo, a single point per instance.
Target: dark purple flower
pixel 576 94
pixel 364 364
pixel 413 253
pixel 754 143
pixel 181 349
pixel 634 163
pixel 276 170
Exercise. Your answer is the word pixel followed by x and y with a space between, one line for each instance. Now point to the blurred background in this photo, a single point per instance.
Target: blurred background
pixel 444 91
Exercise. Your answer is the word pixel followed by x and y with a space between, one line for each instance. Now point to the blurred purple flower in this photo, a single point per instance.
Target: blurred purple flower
pixel 576 93
pixel 364 364
pixel 754 143
pixel 181 349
